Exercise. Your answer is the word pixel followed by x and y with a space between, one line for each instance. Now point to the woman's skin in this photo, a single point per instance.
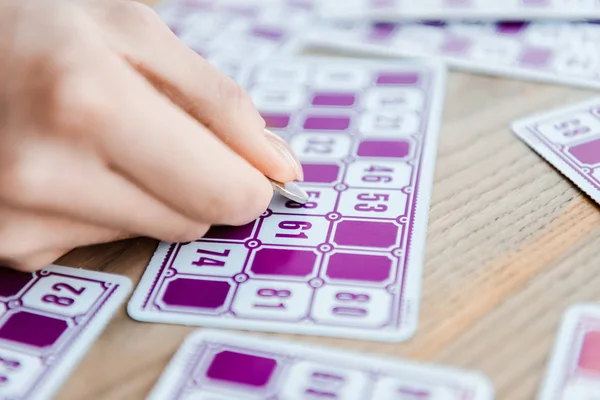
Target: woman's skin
pixel 110 128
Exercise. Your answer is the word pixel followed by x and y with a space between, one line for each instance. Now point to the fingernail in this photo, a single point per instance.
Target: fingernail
pixel 286 151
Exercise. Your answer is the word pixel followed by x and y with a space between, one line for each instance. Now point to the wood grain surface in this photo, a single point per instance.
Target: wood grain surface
pixel 511 244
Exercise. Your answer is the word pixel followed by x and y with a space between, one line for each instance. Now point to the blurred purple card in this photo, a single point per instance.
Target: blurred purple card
pixel 569 139
pixel 232 33
pixel 573 371
pixel 348 263
pixel 404 10
pixel 213 365
pixel 554 52
pixel 48 321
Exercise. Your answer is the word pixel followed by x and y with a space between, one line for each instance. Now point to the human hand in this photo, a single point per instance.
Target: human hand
pixel 110 127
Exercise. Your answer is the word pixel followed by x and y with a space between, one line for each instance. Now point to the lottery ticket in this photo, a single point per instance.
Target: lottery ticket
pixel 554 52
pixel 48 320
pixel 403 10
pixel 569 139
pixel 221 366
pixel 574 369
pixel 232 33
pixel 348 262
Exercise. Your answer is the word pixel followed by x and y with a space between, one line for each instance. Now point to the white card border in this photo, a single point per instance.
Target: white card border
pixel 169 379
pixel 416 264
pixel 403 13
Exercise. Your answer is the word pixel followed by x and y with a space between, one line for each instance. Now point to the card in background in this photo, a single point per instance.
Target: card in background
pixel 553 52
pixel 574 370
pixel 349 262
pixel 569 139
pixel 233 33
pixel 48 321
pixel 496 10
pixel 223 366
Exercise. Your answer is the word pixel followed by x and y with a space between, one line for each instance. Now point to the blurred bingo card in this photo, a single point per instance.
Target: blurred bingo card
pixel 403 10
pixel 223 366
pixel 348 263
pixel 574 369
pixel 565 53
pixel 232 33
pixel 48 321
pixel 569 139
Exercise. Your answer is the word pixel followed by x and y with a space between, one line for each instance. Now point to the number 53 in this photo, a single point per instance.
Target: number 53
pixel 375 197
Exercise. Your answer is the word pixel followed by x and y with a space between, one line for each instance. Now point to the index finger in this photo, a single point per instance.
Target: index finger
pixel 206 94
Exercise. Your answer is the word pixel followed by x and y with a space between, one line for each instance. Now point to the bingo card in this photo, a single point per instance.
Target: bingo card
pixel 348 263
pixel 232 33
pixel 574 369
pixel 402 10
pixel 569 139
pixel 48 321
pixel 562 53
pixel 220 366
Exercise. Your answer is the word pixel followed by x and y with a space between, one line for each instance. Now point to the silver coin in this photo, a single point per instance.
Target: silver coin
pixel 290 190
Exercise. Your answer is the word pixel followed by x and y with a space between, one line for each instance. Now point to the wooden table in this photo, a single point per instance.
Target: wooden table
pixel 511 244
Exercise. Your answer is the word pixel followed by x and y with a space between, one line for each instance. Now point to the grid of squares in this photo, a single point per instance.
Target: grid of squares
pixel 226 367
pixel 566 53
pixel 342 261
pixel 41 315
pixel 230 34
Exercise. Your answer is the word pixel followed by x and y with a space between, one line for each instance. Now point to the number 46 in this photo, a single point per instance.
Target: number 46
pixel 380 177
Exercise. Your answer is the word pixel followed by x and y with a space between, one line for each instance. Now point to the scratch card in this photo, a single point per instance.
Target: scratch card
pixel 48 321
pixel 565 53
pixel 222 366
pixel 402 10
pixel 574 369
pixel 348 263
pixel 232 33
pixel 569 139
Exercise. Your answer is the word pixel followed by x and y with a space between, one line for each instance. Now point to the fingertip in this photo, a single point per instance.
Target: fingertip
pixel 290 168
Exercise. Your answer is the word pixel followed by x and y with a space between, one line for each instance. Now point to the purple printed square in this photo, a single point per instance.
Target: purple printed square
pixel 407 78
pixel 196 293
pixel 381 148
pixel 381 31
pixel 267 33
pixel 320 173
pixel 32 329
pixel 587 153
pixel 239 368
pixel 536 3
pixel 382 3
pixel 359 267
pixel 458 3
pixel 240 233
pixel 327 123
pixel 281 262
pixel 333 99
pixel 511 27
pixel 535 56
pixel 436 23
pixel 276 121
pixel 366 234
pixel 456 45
pixel 12 282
